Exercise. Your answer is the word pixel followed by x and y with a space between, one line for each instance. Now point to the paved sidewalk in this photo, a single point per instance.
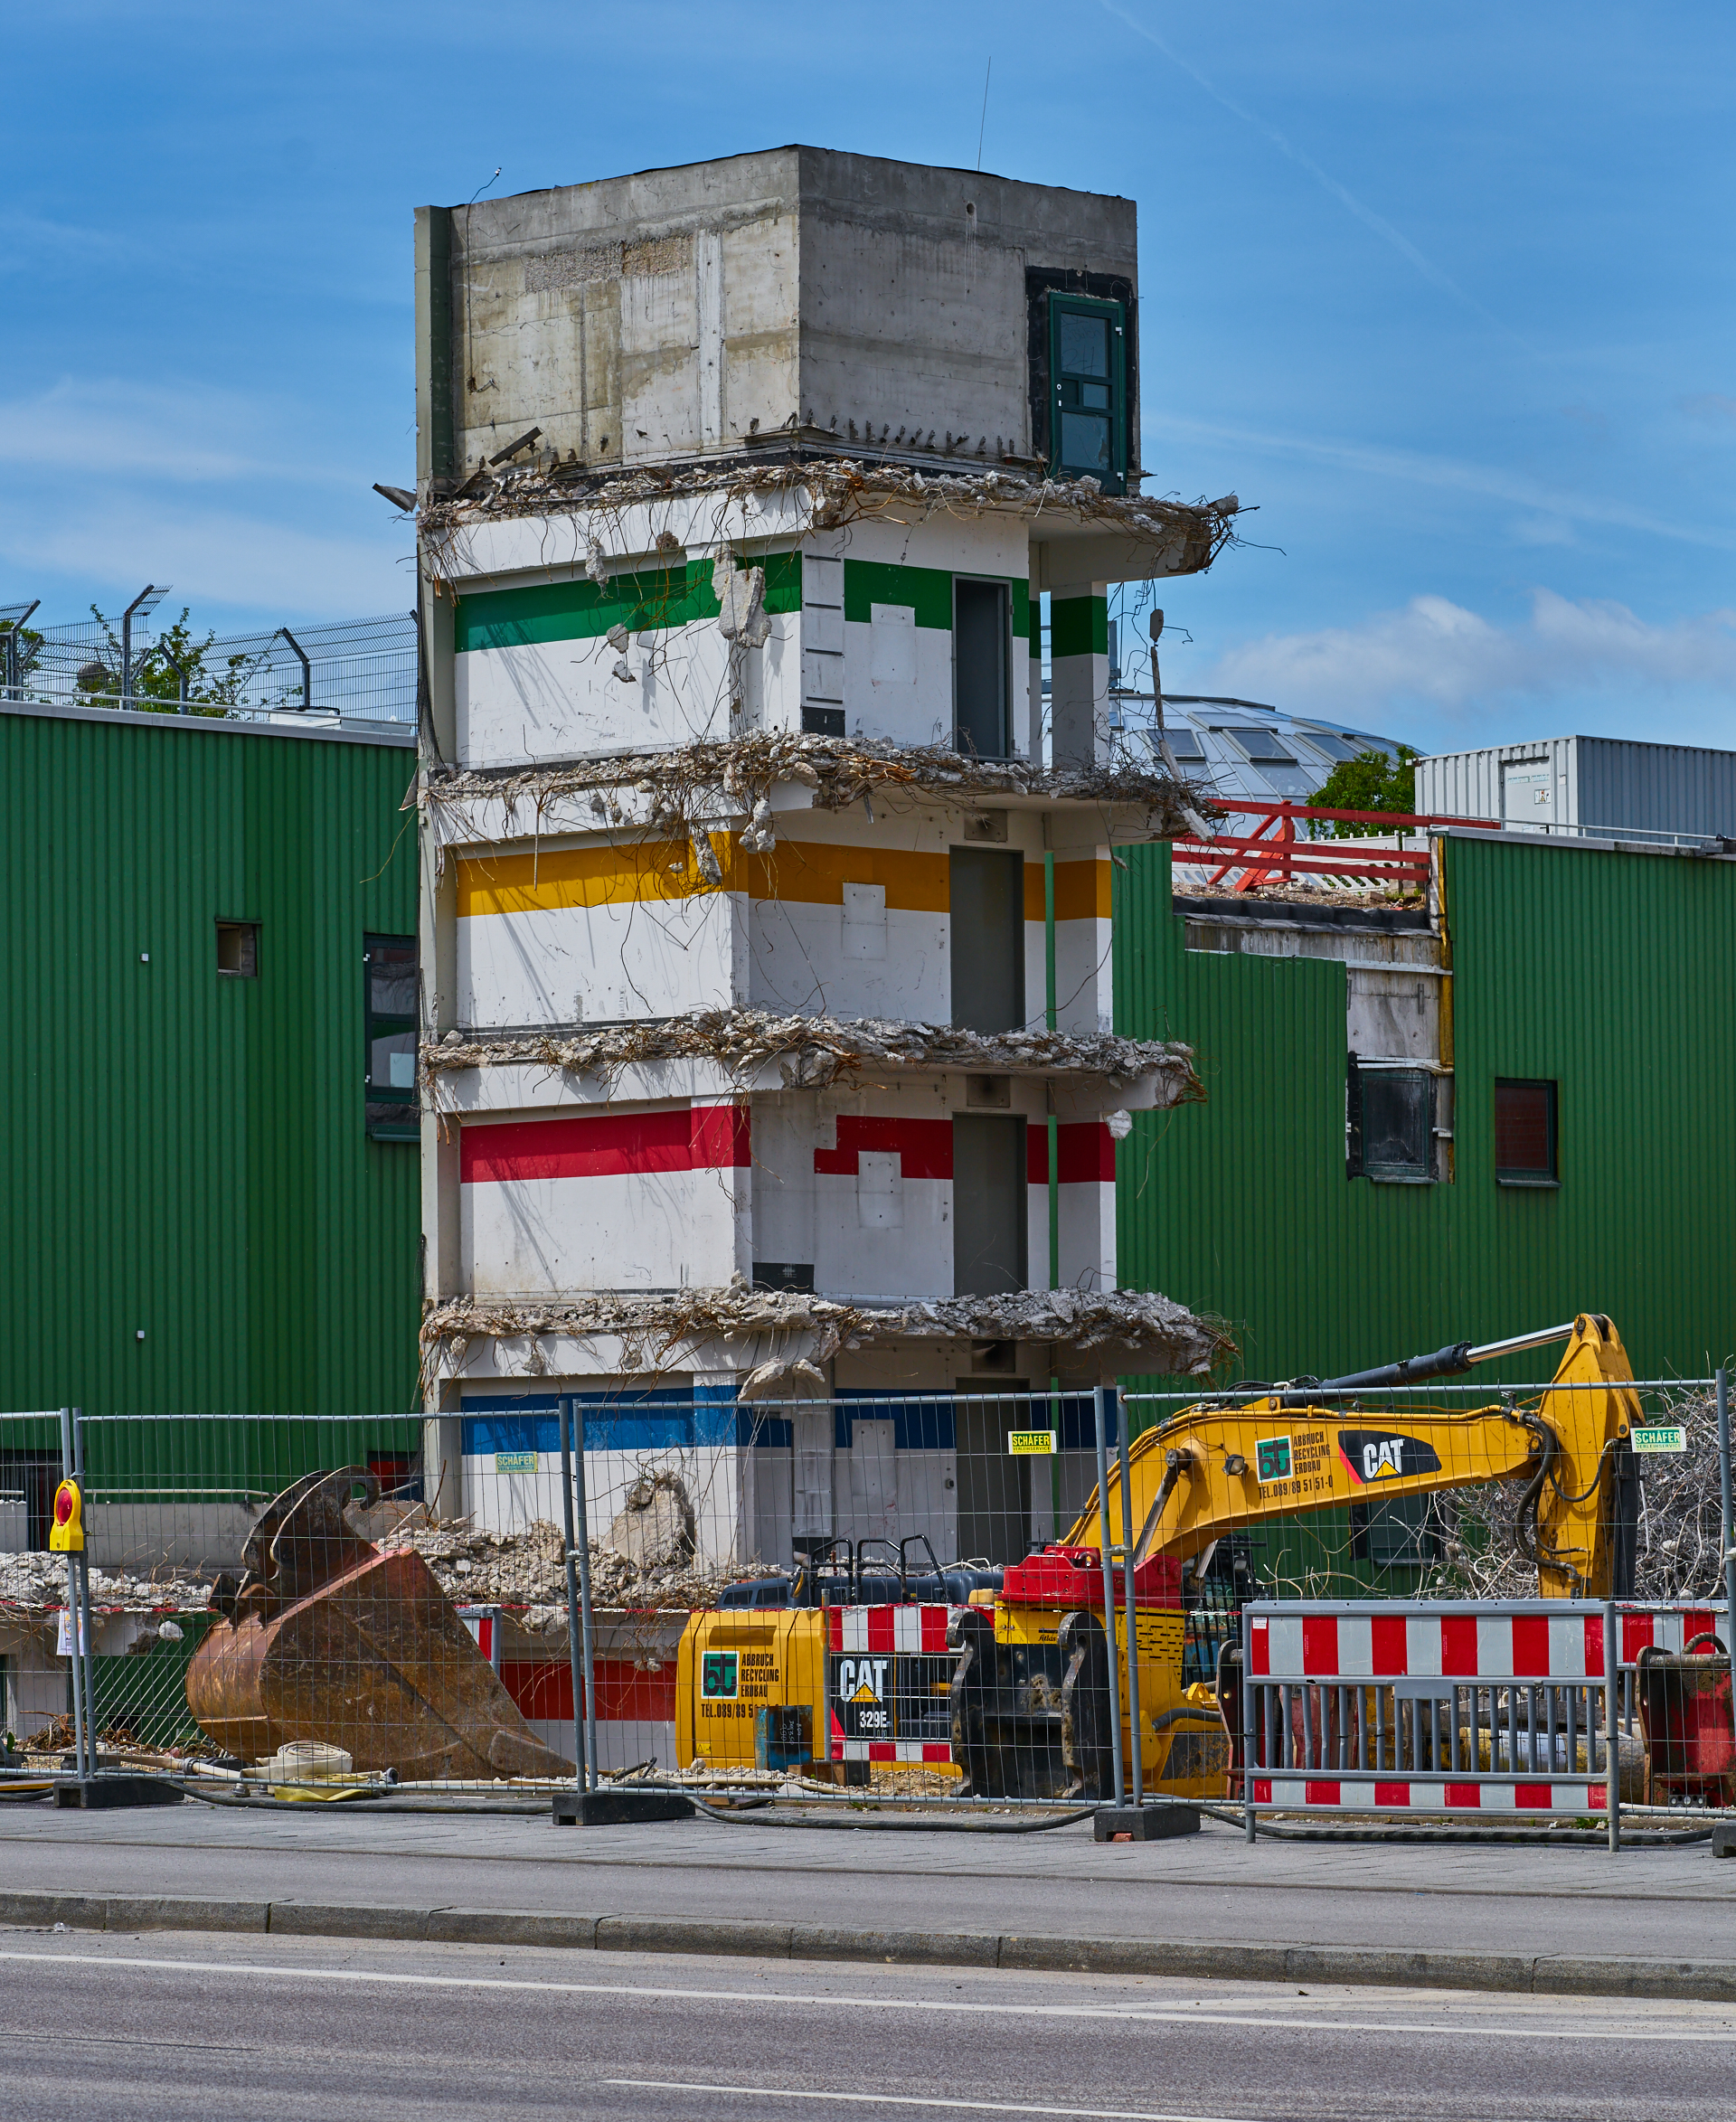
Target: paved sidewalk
pixel 1653 1904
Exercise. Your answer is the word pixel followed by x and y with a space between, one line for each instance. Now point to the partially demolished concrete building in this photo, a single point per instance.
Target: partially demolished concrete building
pixel 767 1050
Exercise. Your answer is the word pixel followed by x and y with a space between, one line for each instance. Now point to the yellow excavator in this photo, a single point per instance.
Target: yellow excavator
pixel 1014 1701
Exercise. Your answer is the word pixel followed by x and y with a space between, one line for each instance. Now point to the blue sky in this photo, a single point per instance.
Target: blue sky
pixel 1446 293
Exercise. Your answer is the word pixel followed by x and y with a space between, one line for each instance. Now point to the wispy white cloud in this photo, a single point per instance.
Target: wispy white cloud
pixel 1377 224
pixel 121 429
pixel 253 564
pixel 1436 655
pixel 1418 467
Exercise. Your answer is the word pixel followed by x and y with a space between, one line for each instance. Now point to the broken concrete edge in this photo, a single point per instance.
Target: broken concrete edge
pixel 1519 1973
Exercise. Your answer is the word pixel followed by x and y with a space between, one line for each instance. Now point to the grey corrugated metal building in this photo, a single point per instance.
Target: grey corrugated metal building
pixel 1603 787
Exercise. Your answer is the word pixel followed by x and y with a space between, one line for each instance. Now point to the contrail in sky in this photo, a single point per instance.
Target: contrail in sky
pixel 1378 224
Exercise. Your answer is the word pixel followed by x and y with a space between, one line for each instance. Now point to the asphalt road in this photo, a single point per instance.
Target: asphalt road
pixel 135 2030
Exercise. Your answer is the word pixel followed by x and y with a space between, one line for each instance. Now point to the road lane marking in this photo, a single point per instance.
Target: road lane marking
pixel 893 2100
pixel 807 1999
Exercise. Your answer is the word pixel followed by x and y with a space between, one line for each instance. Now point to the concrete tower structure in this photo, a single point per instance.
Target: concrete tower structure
pixel 767 1043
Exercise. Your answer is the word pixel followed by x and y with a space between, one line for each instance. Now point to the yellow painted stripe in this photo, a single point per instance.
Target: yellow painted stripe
pixel 1082 890
pixel 810 871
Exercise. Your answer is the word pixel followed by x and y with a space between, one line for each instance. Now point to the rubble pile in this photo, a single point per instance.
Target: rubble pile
pixel 526 1571
pixel 686 790
pixel 812 1053
pixel 1124 1328
pixel 35 1584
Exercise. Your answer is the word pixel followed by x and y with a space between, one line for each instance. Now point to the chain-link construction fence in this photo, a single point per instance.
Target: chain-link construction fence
pixel 905 1600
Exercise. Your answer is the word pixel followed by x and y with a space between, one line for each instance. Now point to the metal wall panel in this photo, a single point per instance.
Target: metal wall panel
pixel 189 1158
pixel 1600 781
pixel 1612 974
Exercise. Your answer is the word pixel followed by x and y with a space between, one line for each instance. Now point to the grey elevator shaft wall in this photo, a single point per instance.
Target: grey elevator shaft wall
pixel 988 908
pixel 994 1487
pixel 988 1205
pixel 979 673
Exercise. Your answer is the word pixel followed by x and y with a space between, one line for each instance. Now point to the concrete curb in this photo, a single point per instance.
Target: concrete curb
pixel 1550 1975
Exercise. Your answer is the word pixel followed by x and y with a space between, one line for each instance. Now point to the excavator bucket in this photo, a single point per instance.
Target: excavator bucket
pixel 329 1638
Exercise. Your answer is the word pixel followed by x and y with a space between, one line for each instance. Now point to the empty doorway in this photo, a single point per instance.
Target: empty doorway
pixel 986 903
pixel 979 669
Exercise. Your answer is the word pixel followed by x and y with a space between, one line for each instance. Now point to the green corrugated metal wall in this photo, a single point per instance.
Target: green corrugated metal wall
pixel 188 1152
pixel 1614 975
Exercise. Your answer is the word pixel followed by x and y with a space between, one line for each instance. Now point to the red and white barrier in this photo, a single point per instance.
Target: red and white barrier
pixel 1339 1696
pixel 863 1693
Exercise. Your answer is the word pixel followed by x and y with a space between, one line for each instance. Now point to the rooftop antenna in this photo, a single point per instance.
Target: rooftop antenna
pixel 141 608
pixel 12 618
pixel 981 129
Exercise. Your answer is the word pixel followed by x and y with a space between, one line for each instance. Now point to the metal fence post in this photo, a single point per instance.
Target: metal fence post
pixel 1101 1397
pixel 1129 1604
pixel 1612 1752
pixel 1725 1519
pixel 1247 1727
pixel 579 1754
pixel 589 1764
pixel 72 1630
pixel 89 1657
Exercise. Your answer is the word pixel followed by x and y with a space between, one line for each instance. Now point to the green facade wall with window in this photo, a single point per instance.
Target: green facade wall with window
pixel 188 1154
pixel 1611 975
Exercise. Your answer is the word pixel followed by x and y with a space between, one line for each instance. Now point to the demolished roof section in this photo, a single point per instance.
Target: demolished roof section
pixel 659 1333
pixel 815 1052
pixel 695 787
pixel 831 494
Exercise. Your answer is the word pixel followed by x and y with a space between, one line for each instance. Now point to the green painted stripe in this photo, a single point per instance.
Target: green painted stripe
pixel 927 591
pixel 583 609
pixel 1079 626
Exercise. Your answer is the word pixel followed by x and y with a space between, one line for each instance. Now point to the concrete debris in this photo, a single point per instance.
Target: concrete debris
pixel 785 1378
pixel 654 1528
pixel 35 1584
pixel 698 786
pixel 812 1052
pixel 837 491
pixel 525 1572
pixel 740 594
pixel 1121 1329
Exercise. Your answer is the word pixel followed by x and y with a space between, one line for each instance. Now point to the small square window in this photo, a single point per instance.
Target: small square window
pixel 1390 1123
pixel 238 949
pixel 1525 1133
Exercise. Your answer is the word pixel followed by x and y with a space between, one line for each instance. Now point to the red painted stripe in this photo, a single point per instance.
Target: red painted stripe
pixel 1534 1798
pixel 1531 1647
pixel 1319 1643
pixel 835 1627
pixel 1085 1154
pixel 1464 1794
pixel 1320 1793
pixel 1593 1644
pixel 1262 1792
pixel 1458 1645
pixel 625 1695
pixel 923 1148
pixel 1391 1793
pixel 1637 1633
pixel 1259 1648
pixel 883 1749
pixel 937 1753
pixel 882 1628
pixel 1389 1640
pixel 595 1145
pixel 1596 1797
pixel 934 1632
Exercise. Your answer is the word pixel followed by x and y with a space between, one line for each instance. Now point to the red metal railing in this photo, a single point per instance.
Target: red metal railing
pixel 1272 854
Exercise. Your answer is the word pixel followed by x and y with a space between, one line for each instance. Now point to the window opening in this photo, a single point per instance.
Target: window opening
pixel 1390 1122
pixel 238 949
pixel 389 1006
pixel 1525 1133
pixel 980 623
pixel 1089 367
